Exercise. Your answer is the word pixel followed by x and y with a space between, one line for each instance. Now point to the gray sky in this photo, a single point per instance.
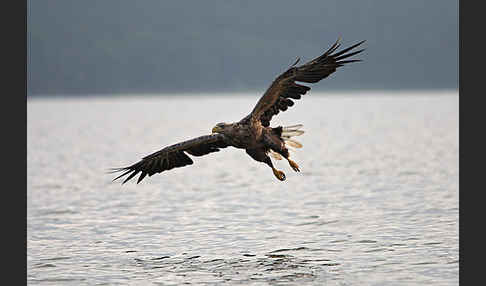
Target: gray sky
pixel 125 46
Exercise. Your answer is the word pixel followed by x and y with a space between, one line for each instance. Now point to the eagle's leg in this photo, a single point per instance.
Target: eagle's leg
pixel 260 156
pixel 285 153
pixel 278 145
pixel 293 165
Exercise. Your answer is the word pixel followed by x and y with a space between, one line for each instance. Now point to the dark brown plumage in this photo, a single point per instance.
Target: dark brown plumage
pixel 252 133
pixel 279 95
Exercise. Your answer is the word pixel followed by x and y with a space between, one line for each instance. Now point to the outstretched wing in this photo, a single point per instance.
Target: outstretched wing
pixel 173 156
pixel 284 88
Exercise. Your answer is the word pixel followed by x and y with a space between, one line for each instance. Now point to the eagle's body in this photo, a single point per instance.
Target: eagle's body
pixel 252 133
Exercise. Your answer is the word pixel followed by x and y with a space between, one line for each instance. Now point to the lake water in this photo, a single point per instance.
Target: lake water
pixel 375 203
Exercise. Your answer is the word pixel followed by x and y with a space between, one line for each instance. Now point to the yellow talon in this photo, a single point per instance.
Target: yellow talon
pixel 279 174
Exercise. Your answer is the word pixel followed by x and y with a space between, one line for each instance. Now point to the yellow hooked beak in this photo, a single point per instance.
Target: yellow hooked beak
pixel 217 129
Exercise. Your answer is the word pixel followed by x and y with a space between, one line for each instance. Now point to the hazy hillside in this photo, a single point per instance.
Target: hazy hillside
pixel 164 46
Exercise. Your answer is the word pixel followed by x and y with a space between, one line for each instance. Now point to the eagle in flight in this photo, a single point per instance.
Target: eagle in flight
pixel 252 133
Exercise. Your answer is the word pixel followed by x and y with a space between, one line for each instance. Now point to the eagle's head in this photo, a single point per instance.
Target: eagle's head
pixel 221 128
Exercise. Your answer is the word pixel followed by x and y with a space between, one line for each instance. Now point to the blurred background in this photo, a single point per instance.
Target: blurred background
pixel 113 47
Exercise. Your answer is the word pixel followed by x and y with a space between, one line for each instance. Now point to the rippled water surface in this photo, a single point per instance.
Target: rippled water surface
pixel 376 202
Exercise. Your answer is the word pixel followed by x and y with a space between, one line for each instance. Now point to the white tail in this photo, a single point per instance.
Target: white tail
pixel 287 133
pixel 291 131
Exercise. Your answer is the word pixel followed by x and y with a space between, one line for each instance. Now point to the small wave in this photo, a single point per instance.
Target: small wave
pixel 366 241
pixel 44 265
pixel 290 249
pixel 56 258
pixel 55 212
pixel 160 258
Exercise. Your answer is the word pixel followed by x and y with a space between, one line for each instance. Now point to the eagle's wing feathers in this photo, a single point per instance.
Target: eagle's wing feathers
pixel 173 156
pixel 284 88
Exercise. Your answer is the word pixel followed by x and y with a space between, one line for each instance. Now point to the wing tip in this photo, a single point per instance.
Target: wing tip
pixel 296 62
pixel 126 171
pixel 341 54
pixel 141 177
